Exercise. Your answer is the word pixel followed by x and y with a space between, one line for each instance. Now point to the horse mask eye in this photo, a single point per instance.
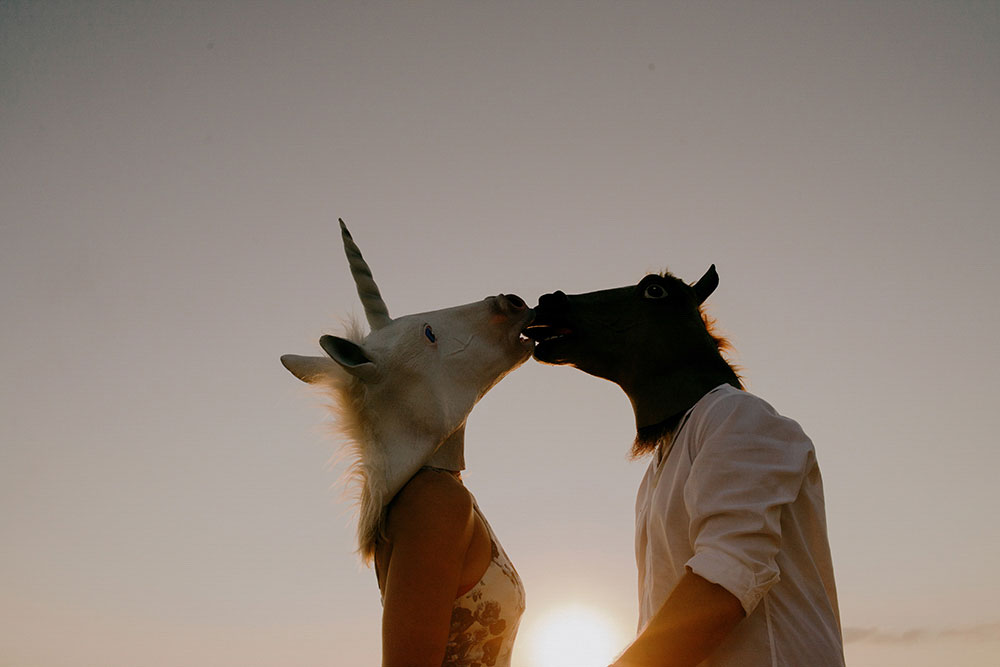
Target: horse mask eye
pixel 430 334
pixel 654 291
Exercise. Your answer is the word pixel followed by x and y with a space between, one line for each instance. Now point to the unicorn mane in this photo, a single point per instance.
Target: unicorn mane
pixel 354 429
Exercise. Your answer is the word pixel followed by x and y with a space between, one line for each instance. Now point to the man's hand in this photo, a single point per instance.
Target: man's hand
pixel 694 620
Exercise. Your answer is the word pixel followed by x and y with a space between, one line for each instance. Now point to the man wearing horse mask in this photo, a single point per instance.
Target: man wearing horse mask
pixel 731 541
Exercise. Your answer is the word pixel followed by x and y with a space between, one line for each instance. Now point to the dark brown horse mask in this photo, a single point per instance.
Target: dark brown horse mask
pixel 624 331
pixel 650 338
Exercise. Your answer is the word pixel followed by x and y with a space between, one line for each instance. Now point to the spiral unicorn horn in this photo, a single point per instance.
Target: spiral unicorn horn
pixel 375 309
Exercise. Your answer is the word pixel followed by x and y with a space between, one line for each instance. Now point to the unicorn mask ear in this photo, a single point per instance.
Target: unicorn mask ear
pixel 706 284
pixel 310 369
pixel 350 356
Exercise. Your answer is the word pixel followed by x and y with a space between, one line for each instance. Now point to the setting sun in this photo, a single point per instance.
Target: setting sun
pixel 575 636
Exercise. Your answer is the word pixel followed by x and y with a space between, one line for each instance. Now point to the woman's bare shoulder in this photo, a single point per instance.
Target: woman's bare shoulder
pixel 433 503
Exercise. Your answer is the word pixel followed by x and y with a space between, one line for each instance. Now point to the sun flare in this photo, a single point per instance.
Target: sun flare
pixel 575 636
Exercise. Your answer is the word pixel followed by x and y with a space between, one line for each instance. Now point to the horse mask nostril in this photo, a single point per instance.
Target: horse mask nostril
pixel 556 298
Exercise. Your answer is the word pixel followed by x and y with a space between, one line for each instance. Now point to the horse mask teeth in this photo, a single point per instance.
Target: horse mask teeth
pixel 546 332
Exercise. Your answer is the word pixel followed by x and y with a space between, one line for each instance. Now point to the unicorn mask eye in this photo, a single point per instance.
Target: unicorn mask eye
pixel 429 333
pixel 654 291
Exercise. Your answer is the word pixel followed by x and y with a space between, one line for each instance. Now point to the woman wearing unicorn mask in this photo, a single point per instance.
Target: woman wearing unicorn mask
pixel 402 395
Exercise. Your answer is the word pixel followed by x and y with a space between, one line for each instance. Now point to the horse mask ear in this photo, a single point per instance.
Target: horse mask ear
pixel 706 284
pixel 349 355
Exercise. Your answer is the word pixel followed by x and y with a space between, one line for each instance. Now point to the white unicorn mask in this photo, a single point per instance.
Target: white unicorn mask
pixel 404 392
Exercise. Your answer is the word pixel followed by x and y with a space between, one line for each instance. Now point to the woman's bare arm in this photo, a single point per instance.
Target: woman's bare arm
pixel 430 526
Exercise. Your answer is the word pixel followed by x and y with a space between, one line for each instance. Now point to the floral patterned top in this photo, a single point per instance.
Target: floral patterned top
pixel 484 620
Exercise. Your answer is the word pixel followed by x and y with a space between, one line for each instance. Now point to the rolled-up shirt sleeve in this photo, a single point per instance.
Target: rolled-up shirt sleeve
pixel 750 463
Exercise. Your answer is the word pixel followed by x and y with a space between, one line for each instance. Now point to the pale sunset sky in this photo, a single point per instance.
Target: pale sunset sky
pixel 171 174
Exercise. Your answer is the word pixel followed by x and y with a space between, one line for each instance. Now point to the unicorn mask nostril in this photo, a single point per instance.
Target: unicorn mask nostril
pixel 508 304
pixel 516 301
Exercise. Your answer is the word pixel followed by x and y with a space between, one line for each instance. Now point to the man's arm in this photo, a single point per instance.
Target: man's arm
pixel 693 621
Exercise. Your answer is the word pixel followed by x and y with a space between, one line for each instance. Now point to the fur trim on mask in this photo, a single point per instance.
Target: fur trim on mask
pixel 364 477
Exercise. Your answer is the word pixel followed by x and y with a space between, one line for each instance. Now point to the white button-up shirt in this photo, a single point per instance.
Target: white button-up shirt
pixel 738 500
